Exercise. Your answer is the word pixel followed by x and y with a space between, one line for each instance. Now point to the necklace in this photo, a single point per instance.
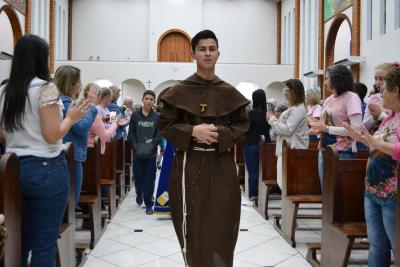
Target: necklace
pixel 203 104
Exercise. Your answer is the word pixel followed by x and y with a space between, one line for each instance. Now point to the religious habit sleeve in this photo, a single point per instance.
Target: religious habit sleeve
pixel 177 133
pixel 229 135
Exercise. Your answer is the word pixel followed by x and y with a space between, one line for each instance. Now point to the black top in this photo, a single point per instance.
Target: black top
pixel 258 126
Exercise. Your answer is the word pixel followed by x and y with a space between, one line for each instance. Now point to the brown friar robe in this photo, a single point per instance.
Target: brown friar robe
pixel 212 186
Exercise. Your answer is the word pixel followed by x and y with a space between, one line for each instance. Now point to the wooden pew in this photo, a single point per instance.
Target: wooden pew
pixel 301 185
pixel 343 217
pixel 267 175
pixel 313 144
pixel 65 256
pixel 128 167
pixel 10 206
pixel 120 168
pixel 90 193
pixel 108 177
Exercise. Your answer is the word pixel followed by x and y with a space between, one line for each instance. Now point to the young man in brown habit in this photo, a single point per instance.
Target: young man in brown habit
pixel 203 117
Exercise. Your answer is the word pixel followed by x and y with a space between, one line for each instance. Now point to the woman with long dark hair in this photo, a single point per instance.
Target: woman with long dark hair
pixel 32 125
pixel 258 126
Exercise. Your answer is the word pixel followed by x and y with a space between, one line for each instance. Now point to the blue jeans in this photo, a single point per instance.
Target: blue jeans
pixel 342 155
pixel 78 177
pixel 381 229
pixel 313 137
pixel 45 187
pixel 251 156
pixel 145 177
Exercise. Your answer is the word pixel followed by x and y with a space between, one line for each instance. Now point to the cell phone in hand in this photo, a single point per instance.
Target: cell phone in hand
pixel 113 116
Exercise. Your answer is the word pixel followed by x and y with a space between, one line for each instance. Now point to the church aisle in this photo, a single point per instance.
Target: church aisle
pixel 136 239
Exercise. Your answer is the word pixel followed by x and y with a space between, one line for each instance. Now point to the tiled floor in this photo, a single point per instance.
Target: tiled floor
pixel 136 239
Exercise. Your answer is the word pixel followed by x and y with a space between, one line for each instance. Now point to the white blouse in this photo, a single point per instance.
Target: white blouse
pixel 29 141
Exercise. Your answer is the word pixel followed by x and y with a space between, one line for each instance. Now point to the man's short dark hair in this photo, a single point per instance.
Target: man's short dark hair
pixel 361 90
pixel 149 92
pixel 206 34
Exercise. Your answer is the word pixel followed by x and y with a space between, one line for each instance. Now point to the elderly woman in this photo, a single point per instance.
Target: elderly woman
pixel 292 124
pixel 313 98
pixel 381 181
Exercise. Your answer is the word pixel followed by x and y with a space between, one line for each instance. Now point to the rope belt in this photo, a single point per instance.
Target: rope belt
pixel 196 148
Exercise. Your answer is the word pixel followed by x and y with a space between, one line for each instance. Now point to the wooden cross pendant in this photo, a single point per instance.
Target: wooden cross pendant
pixel 203 107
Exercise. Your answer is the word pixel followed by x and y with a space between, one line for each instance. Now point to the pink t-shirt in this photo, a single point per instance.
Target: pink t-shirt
pixel 396 152
pixel 338 110
pixel 314 111
pixel 98 129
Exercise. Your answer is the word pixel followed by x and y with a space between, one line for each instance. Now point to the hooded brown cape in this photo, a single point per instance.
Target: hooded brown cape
pixel 212 186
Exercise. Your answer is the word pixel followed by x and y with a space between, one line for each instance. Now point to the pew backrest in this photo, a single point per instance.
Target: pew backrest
pixel 10 206
pixel 91 170
pixel 300 171
pixel 267 161
pixel 344 185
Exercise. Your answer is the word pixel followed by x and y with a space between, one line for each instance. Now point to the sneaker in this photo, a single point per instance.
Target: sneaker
pixel 139 200
pixel 149 210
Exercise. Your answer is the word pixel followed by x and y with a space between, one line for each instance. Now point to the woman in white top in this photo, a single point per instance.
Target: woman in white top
pixel 32 126
pixel 292 125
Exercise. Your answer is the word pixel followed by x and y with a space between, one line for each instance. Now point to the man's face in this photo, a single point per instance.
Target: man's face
pixel 130 104
pixel 206 53
pixel 148 101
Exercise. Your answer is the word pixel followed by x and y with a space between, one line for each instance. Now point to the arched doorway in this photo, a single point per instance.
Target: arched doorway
pixel 275 90
pixel 15 25
pixel 338 42
pixel 133 88
pixel 162 86
pixel 174 46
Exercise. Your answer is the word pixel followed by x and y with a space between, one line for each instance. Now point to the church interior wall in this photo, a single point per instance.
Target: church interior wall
pixel 7 39
pixel 6 33
pixel 61 30
pixel 138 25
pixel 40 18
pixel 247 31
pixel 288 34
pixel 171 14
pixel 113 30
pixel 309 41
pixel 382 47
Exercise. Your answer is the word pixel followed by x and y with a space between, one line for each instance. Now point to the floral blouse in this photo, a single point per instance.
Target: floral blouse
pixel 381 180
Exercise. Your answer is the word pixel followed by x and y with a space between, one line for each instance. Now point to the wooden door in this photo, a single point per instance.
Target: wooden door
pixel 174 47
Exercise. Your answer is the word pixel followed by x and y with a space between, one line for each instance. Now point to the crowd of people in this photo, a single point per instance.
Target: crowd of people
pixel 343 120
pixel 38 115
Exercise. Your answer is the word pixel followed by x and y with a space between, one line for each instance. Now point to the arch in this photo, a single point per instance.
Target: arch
pixel 178 51
pixel 247 88
pixel 162 86
pixel 13 17
pixel 275 90
pixel 133 88
pixel 103 82
pixel 331 38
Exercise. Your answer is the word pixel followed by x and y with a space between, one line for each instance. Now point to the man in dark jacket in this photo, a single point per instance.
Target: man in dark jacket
pixel 144 138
